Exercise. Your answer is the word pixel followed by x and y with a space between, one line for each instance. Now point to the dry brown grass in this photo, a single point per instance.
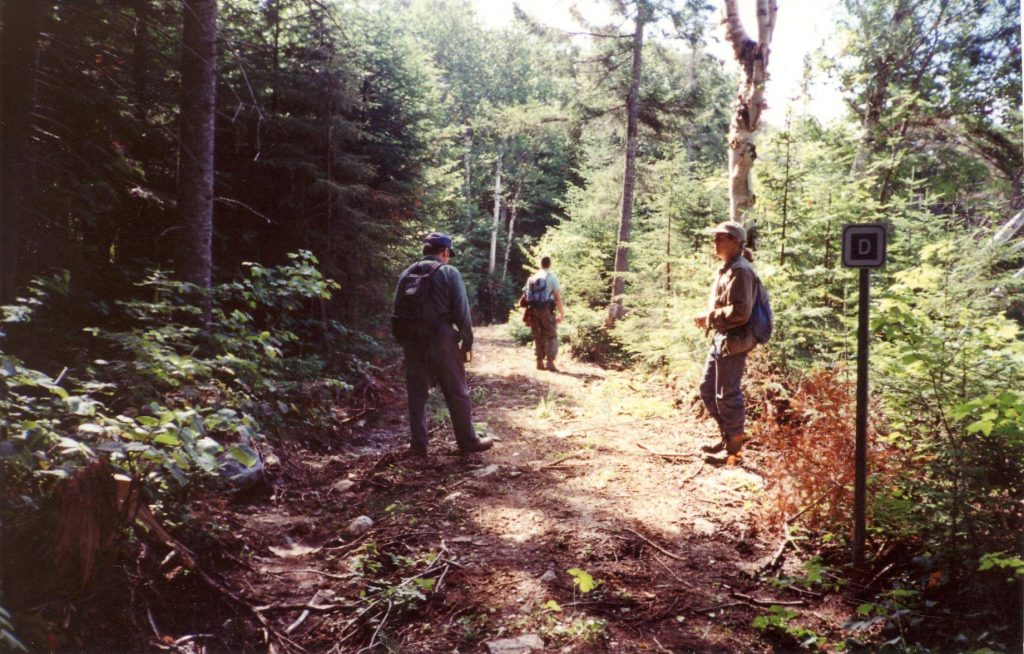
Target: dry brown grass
pixel 810 433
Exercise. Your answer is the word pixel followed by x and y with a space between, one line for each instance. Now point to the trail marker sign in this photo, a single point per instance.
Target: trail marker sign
pixel 864 245
pixel 863 248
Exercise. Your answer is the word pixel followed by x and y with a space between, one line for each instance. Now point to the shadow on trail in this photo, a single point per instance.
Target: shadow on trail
pixel 586 378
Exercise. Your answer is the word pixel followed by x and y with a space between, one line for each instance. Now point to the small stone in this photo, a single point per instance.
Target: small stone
pixel 272 461
pixel 343 486
pixel 518 645
pixel 488 471
pixel 704 527
pixel 359 526
pixel 549 577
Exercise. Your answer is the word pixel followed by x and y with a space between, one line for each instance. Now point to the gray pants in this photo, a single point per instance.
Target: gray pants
pixel 440 361
pixel 721 393
pixel 545 332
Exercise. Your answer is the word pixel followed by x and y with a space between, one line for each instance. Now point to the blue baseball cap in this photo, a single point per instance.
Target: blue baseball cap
pixel 437 238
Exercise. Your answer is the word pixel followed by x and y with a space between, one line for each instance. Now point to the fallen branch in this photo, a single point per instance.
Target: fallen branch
pixel 669 570
pixel 763 602
pixel 694 475
pixel 346 546
pixel 358 414
pixel 665 455
pixel 818 500
pixel 373 639
pixel 655 545
pixel 871 582
pixel 774 561
pixel 711 609
pixel 268 630
pixel 554 463
pixel 804 591
pixel 329 575
pixel 298 622
pixel 295 607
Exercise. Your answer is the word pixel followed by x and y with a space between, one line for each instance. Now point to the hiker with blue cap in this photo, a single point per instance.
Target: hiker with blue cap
pixel 740 316
pixel 431 322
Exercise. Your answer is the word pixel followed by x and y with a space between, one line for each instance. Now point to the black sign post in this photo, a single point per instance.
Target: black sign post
pixel 864 248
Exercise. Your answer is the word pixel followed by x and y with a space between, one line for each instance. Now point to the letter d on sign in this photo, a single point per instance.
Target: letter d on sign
pixel 864 247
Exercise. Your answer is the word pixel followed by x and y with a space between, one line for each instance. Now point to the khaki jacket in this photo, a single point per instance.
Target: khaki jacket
pixel 730 303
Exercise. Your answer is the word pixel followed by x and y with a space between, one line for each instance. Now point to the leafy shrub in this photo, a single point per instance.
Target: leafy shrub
pixel 164 398
pixel 948 357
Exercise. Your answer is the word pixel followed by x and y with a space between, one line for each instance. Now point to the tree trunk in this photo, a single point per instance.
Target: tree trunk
pixel 668 254
pixel 870 139
pixel 615 308
pixel 493 262
pixel 746 119
pixel 274 15
pixel 195 165
pixel 140 60
pixel 785 187
pixel 468 164
pixel 18 53
pixel 513 210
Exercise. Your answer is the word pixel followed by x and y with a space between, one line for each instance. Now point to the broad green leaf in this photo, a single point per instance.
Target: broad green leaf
pixel 583 580
pixel 244 455
pixel 167 439
pixel 425 584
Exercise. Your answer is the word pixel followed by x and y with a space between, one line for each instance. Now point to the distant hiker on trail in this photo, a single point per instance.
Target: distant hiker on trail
pixel 740 316
pixel 543 294
pixel 430 321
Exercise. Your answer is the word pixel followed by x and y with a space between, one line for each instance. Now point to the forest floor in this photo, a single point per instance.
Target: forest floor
pixel 595 472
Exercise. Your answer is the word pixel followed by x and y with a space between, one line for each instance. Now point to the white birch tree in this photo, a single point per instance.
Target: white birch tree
pixel 746 118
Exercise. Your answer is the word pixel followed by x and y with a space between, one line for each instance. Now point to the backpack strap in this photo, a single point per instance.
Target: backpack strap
pixel 431 266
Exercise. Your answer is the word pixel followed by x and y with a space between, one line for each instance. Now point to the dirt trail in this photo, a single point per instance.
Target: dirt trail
pixel 594 471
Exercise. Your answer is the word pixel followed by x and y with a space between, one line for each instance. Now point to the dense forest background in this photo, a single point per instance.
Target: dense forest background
pixel 344 131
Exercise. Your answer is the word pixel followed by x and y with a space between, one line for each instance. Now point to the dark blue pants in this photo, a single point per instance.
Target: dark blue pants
pixel 439 361
pixel 721 393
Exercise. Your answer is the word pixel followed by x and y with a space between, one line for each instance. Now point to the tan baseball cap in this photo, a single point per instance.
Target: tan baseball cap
pixel 733 229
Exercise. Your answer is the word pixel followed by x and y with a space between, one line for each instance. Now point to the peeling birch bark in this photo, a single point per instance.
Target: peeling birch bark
pixel 746 119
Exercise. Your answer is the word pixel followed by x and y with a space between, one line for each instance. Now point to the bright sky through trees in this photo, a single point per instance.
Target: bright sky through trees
pixel 803 26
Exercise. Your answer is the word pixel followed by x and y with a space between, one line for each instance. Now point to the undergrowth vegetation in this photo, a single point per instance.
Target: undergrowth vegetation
pixel 167 399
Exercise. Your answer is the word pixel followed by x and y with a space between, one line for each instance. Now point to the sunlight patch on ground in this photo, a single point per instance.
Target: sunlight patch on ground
pixel 514 524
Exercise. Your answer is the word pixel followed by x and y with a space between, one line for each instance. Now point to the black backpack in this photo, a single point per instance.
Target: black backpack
pixel 536 292
pixel 413 321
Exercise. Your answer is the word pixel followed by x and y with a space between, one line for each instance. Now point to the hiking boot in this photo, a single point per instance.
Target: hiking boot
pixel 735 443
pixel 481 445
pixel 714 449
pixel 551 366
pixel 540 364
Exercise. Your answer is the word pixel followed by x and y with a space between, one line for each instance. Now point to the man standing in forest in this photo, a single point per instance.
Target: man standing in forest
pixel 543 296
pixel 432 323
pixel 729 306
